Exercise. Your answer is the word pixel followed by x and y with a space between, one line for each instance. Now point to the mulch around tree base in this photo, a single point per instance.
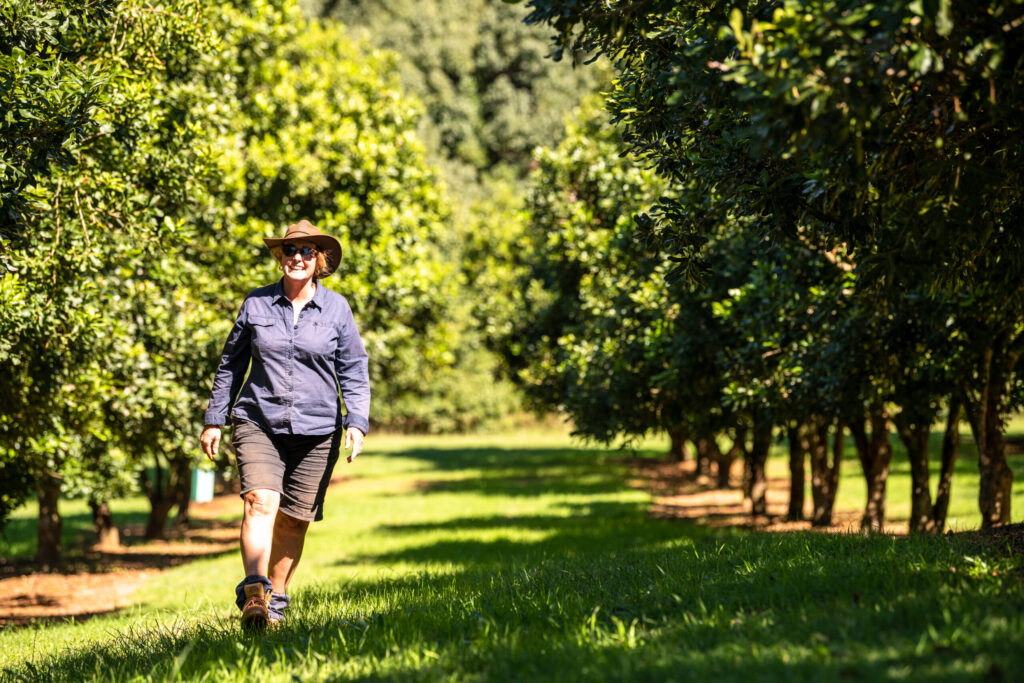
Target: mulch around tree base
pixel 101 581
pixel 36 598
pixel 96 581
pixel 680 494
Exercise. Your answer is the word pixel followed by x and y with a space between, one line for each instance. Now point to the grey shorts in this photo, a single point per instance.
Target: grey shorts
pixel 298 467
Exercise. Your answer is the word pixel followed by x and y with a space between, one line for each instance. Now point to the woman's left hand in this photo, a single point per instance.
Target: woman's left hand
pixel 354 438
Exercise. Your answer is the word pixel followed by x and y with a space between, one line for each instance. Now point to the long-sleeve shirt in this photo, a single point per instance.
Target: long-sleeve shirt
pixel 300 370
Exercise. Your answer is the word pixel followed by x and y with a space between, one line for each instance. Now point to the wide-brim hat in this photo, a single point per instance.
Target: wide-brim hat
pixel 304 230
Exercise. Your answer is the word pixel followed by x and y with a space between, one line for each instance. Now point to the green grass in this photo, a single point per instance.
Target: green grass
pixel 527 557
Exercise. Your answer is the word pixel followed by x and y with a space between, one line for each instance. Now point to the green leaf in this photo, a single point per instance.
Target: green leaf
pixel 736 24
pixel 944 18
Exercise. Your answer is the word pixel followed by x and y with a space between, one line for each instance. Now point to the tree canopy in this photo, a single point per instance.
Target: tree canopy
pixel 883 139
pixel 490 94
pixel 137 238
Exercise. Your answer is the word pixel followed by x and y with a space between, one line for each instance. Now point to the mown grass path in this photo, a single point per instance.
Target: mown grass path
pixel 528 558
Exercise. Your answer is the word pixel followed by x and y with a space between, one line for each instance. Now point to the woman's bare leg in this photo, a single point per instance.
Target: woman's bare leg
pixel 289 537
pixel 258 530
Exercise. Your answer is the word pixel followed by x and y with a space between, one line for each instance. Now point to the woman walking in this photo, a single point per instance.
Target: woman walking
pixel 298 342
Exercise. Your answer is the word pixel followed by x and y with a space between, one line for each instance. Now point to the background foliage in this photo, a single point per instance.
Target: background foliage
pixel 490 94
pixel 789 219
pixel 880 138
pixel 151 150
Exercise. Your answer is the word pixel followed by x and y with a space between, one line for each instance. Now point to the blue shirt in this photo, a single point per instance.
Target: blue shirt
pixel 297 370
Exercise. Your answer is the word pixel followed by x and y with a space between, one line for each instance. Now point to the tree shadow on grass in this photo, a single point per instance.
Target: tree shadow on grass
pixel 601 526
pixel 518 472
pixel 603 592
pixel 457 459
pixel 791 606
pixel 516 484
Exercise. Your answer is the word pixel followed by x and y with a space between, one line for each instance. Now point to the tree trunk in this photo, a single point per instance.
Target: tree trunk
pixel 725 459
pixel 677 451
pixel 48 547
pixel 915 438
pixel 156 523
pixel 107 536
pixel 167 489
pixel 985 415
pixel 950 447
pixel 875 453
pixel 755 483
pixel 182 490
pixel 798 446
pixel 996 476
pixel 160 503
pixel 824 476
pixel 707 452
pixel 154 490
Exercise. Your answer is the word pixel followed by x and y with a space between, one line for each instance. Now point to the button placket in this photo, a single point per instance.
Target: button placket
pixel 291 374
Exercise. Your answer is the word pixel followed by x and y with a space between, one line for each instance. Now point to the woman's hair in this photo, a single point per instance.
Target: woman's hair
pixel 322 269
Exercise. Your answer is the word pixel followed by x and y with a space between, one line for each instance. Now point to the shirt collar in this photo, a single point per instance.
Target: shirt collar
pixel 317 300
pixel 318 296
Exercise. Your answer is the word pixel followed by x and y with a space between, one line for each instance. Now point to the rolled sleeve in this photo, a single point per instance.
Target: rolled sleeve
pixel 352 369
pixel 230 375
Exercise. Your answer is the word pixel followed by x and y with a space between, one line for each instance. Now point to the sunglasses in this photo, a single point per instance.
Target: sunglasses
pixel 290 250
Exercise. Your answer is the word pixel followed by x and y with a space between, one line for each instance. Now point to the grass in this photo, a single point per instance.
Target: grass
pixel 527 557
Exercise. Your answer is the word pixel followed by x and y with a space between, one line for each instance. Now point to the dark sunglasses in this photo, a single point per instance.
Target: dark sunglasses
pixel 290 250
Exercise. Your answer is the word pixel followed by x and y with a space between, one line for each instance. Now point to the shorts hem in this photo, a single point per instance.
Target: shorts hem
pixel 241 494
pixel 302 517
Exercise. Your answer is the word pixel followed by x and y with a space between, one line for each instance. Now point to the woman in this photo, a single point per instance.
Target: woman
pixel 302 343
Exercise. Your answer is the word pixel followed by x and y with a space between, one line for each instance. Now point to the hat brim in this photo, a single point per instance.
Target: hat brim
pixel 330 246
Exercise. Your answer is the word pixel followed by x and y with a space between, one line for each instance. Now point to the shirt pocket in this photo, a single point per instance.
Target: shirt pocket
pixel 266 332
pixel 319 339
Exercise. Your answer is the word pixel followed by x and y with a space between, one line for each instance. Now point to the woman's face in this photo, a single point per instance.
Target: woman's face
pixel 297 266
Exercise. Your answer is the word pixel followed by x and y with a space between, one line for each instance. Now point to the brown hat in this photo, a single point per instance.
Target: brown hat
pixel 304 230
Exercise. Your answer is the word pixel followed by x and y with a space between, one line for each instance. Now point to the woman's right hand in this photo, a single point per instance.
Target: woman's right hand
pixel 209 440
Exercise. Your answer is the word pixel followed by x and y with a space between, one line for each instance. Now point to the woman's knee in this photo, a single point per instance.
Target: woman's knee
pixel 261 502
